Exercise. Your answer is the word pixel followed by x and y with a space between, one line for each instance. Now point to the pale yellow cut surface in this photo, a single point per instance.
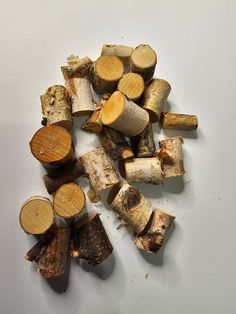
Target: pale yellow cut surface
pixel 132 85
pixel 144 57
pixel 113 108
pixel 109 68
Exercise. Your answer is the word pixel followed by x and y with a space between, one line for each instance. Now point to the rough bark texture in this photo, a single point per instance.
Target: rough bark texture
pixel 91 241
pixel 76 67
pixel 67 173
pixel 115 144
pixel 143 144
pixel 132 85
pixel 155 233
pixel 146 170
pixel 120 51
pixel 155 97
pixel 178 121
pixel 173 166
pixel 132 207
pixel 99 168
pixel 56 106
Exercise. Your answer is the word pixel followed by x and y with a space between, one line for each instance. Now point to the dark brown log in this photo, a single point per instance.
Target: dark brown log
pixel 115 144
pixel 143 144
pixel 90 240
pixel 66 174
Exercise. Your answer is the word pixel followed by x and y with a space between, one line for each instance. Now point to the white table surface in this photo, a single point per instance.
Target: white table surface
pixel 195 41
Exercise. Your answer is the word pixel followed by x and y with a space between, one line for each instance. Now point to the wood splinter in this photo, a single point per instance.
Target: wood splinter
pixel 90 240
pixel 132 85
pixel 120 51
pixel 176 121
pixel 56 107
pixel 76 67
pixel 155 233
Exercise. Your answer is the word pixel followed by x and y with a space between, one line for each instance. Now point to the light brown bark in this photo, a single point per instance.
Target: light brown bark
pixel 177 121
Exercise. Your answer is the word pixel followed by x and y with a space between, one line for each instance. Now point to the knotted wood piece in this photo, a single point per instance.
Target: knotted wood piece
pixel 132 86
pixel 56 107
pixel 120 51
pixel 90 240
pixel 154 235
pixel 76 67
pixel 177 121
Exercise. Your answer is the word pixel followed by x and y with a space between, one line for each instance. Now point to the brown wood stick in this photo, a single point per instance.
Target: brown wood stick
pixel 143 144
pixel 177 121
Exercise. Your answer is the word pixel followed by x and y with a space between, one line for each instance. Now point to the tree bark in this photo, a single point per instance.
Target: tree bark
pixel 132 86
pixel 76 67
pixel 178 121
pixel 120 51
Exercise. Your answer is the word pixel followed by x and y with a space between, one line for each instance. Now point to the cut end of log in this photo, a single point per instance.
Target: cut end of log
pixel 69 200
pixel 109 68
pixel 132 85
pixel 113 108
pixel 144 57
pixel 52 144
pixel 36 215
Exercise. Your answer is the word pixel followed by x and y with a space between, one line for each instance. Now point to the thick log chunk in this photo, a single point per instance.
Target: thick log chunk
pixel 132 86
pixel 76 67
pixel 178 121
pixel 120 51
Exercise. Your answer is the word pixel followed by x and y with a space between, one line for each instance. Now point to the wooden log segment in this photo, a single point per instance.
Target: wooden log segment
pixel 52 146
pixel 68 200
pixel 155 233
pixel 115 144
pixel 66 174
pixel 56 106
pixel 120 51
pixel 177 121
pixel 155 97
pixel 143 61
pixel 132 86
pixel 76 67
pixel 146 170
pixel 36 215
pixel 123 115
pixel 98 166
pixel 143 144
pixel 106 73
pixel 173 165
pixel 131 206
pixel 90 240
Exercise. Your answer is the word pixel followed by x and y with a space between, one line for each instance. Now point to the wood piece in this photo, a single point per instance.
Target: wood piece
pixel 69 200
pixel 91 241
pixel 36 215
pixel 123 115
pixel 81 96
pixel 132 207
pixel 156 231
pixel 66 174
pixel 98 166
pixel 178 121
pixel 115 144
pixel 53 259
pixel 132 85
pixel 56 106
pixel 106 73
pixel 76 67
pixel 52 146
pixel 93 196
pixel 143 144
pixel 173 165
pixel 120 51
pixel 146 170
pixel 155 97
pixel 143 61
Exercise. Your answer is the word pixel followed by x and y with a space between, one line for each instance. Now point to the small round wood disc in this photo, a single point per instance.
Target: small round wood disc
pixel 69 200
pixel 132 85
pixel 109 68
pixel 143 57
pixel 36 215
pixel 51 144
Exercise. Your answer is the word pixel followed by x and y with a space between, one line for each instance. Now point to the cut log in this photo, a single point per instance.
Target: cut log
pixel 106 73
pixel 173 165
pixel 52 146
pixel 54 257
pixel 146 170
pixel 81 96
pixel 36 215
pixel 155 97
pixel 132 207
pixel 98 166
pixel 69 200
pixel 178 121
pixel 143 144
pixel 66 174
pixel 123 115
pixel 56 106
pixel 115 144
pixel 155 233
pixel 120 51
pixel 91 241
pixel 132 85
pixel 143 61
pixel 76 67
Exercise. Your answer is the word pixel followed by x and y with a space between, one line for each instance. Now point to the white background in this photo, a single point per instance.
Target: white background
pixel 195 41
